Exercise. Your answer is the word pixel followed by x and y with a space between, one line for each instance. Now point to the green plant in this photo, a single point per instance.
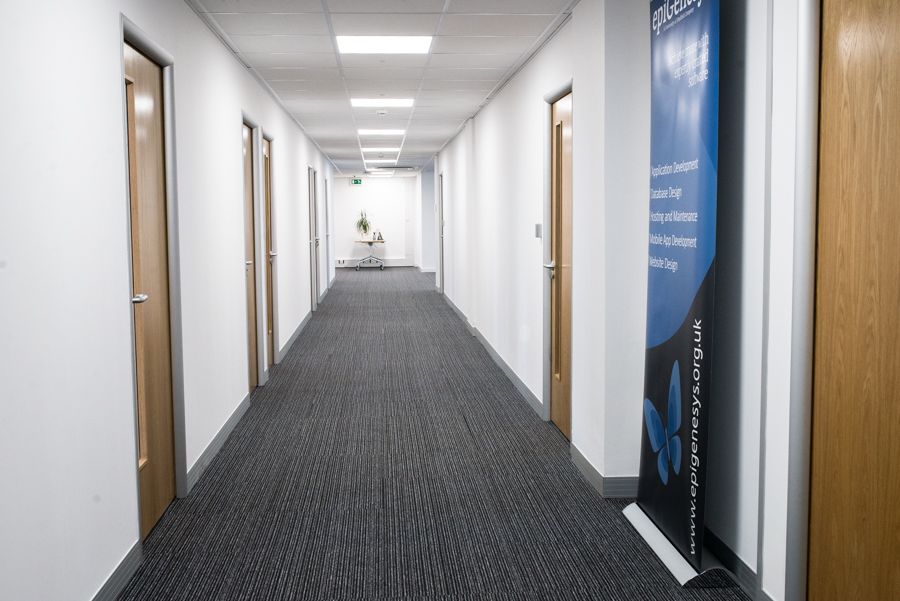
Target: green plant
pixel 362 224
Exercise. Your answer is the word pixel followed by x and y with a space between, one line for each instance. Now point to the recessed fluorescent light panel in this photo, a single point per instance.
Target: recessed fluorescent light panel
pixel 385 149
pixel 382 102
pixel 384 44
pixel 381 161
pixel 382 132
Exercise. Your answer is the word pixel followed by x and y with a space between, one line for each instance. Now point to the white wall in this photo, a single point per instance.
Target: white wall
pixel 67 435
pixel 390 204
pixel 495 175
pixel 733 454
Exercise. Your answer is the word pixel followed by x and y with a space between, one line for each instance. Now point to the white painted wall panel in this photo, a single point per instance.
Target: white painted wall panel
pixel 67 436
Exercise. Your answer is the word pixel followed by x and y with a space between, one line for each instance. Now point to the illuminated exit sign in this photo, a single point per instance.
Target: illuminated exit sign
pixel 356 181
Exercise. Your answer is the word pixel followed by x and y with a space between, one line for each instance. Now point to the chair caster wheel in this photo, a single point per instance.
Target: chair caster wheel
pixel 382 268
pixel 357 268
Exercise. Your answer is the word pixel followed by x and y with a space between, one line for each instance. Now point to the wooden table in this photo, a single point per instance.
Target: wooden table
pixel 371 258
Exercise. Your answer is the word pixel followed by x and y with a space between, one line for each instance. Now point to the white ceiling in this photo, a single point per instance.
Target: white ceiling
pixel 290 44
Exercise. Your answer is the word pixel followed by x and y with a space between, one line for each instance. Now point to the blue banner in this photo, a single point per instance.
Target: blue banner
pixel 681 285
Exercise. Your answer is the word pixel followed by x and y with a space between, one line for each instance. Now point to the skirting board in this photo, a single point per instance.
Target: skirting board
pixel 745 577
pixel 461 315
pixel 519 384
pixel 117 581
pixel 290 343
pixel 612 487
pixel 507 370
pixel 216 445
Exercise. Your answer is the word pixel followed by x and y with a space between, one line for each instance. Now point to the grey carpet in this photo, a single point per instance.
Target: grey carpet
pixel 390 459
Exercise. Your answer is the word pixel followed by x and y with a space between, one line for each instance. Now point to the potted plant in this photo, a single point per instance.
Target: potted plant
pixel 362 225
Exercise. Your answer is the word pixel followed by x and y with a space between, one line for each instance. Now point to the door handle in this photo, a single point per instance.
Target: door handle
pixel 551 267
pixel 139 299
pixel 273 254
pixel 248 263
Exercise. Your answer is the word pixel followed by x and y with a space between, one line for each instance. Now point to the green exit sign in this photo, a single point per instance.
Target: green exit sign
pixel 356 181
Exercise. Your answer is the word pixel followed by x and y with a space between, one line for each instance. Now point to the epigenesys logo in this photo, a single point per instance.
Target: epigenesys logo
pixel 664 439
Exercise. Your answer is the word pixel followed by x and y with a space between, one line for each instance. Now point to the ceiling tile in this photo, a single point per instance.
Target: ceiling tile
pixel 512 25
pixel 509 7
pixel 458 84
pixel 288 43
pixel 393 114
pixel 298 74
pixel 448 97
pixel 426 113
pixel 481 44
pixel 262 24
pixel 377 74
pixel 419 148
pixel 260 6
pixel 471 74
pixel 384 24
pixel 293 59
pixel 369 61
pixel 381 123
pixel 386 6
pixel 286 87
pixel 459 61
pixel 384 87
pixel 283 43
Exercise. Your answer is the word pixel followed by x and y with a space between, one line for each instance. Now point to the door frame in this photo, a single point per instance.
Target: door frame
pixel 271 266
pixel 550 99
pixel 441 223
pixel 131 34
pixel 259 251
pixel 312 208
pixel 797 145
pixel 328 277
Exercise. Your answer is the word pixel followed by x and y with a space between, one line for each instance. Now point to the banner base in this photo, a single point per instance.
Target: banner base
pixel 677 565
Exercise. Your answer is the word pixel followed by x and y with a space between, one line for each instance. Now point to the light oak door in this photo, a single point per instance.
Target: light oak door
pixel 271 253
pixel 150 286
pixel 250 258
pixel 327 234
pixel 313 239
pixel 560 267
pixel 440 219
pixel 854 539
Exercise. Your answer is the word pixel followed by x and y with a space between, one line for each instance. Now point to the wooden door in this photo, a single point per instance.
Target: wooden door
pixel 250 258
pixel 561 270
pixel 854 539
pixel 327 234
pixel 150 286
pixel 440 218
pixel 313 240
pixel 271 253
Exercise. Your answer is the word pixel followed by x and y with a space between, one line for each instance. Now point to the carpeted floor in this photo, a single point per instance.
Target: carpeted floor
pixel 390 459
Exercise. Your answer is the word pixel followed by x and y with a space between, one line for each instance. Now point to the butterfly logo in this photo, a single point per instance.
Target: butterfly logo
pixel 664 439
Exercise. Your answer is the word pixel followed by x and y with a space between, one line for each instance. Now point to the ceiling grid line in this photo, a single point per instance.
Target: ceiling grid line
pixel 293 47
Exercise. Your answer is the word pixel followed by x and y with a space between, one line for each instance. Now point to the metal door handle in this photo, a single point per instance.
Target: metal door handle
pixel 551 267
pixel 273 253
pixel 248 263
pixel 138 299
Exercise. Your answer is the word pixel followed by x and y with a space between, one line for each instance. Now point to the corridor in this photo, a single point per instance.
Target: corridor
pixel 390 459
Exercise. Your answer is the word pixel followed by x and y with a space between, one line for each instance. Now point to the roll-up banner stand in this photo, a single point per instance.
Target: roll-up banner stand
pixel 681 285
